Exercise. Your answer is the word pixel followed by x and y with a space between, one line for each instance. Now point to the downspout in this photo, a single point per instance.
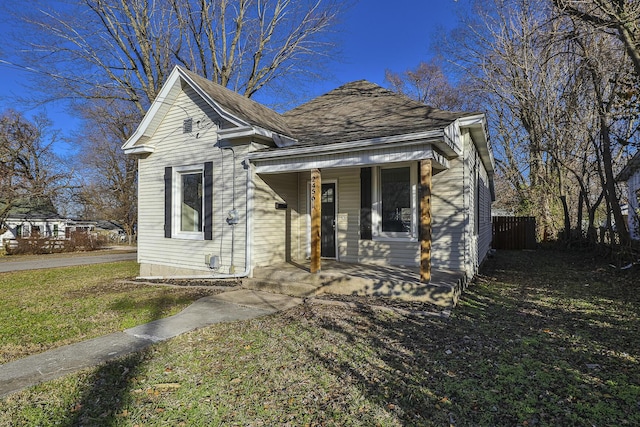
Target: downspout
pixel 248 228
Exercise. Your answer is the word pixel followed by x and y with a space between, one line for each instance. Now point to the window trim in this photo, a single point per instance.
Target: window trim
pixel 376 208
pixel 176 197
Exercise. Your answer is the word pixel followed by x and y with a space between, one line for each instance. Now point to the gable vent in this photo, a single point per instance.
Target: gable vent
pixel 187 125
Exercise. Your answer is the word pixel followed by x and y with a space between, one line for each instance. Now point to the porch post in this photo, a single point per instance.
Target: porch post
pixel 425 220
pixel 316 208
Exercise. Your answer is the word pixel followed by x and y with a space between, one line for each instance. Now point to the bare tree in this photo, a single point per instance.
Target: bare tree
pixel 118 53
pixel 622 17
pixel 124 49
pixel 542 98
pixel 29 172
pixel 108 181
pixel 608 70
pixel 248 44
pixel 428 84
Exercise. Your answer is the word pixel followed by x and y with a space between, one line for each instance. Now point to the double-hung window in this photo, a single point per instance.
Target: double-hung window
pixel 188 202
pixel 395 190
pixel 191 202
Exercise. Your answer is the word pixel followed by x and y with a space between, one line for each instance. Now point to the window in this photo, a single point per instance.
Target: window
pixel 188 187
pixel 188 202
pixel 191 202
pixel 395 204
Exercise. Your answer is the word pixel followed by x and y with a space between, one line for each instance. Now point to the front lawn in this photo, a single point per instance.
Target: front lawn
pixel 42 309
pixel 543 338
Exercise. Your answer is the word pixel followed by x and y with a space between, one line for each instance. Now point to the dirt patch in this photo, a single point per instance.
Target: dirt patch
pixel 229 283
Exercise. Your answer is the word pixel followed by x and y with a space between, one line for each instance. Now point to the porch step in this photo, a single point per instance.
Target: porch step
pixel 355 279
pixel 296 289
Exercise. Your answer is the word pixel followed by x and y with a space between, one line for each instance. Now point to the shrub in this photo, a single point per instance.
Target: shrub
pixel 77 241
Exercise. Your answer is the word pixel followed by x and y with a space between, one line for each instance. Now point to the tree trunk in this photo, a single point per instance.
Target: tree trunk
pixel 610 187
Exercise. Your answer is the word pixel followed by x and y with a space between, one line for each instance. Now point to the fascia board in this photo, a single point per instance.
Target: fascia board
pixel 409 139
pixel 174 78
pixel 142 128
pixel 140 149
pixel 245 131
pixel 477 125
pixel 217 107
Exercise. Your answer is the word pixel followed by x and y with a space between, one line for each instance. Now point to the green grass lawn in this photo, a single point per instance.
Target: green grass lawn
pixel 543 338
pixel 42 309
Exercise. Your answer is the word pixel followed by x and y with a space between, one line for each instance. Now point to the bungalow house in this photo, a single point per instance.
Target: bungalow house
pixel 358 175
pixel 38 223
pixel 631 174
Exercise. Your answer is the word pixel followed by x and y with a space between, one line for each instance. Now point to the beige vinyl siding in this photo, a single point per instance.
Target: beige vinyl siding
pixel 486 227
pixel 275 231
pixel 173 148
pixel 383 252
pixel 347 217
pixel 448 222
pixel 477 193
pixel 471 164
pixel 449 217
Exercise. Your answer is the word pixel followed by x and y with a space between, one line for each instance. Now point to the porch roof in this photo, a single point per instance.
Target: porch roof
pixel 352 154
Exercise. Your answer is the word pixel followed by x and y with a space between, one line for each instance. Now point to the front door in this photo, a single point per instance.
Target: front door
pixel 328 220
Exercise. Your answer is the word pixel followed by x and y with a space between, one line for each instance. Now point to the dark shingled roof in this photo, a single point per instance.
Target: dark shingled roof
pixel 240 106
pixel 363 110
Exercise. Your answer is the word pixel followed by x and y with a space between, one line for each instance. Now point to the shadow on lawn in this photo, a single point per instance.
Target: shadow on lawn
pixel 540 349
pixel 109 388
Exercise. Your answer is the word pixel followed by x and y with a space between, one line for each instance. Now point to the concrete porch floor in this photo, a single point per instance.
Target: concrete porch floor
pixel 358 279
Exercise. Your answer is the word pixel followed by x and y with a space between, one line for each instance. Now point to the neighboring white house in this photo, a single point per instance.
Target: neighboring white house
pixel 41 224
pixel 631 174
pixel 360 175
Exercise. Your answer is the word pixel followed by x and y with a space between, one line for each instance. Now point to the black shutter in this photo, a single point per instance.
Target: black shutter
pixel 208 201
pixel 167 201
pixel 365 203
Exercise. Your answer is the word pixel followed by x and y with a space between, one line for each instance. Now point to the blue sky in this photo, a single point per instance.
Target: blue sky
pixel 391 34
pixel 376 35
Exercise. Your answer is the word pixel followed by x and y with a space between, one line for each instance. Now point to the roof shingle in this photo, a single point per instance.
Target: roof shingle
pixel 240 106
pixel 362 110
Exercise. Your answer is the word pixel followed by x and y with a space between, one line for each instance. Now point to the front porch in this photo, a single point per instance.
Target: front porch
pixel 341 278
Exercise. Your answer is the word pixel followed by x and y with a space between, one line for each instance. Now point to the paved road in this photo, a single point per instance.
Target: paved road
pixel 53 261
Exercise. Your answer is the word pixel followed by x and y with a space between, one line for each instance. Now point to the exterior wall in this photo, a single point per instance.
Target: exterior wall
pixel 633 185
pixel 160 256
pixel 449 217
pixel 478 207
pixel 453 213
pixel 383 252
pixel 486 225
pixel 348 213
pixel 275 231
pixel 46 227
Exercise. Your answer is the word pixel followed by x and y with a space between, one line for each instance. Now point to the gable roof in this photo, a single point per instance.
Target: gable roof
pixel 245 114
pixel 240 106
pixel 362 110
pixel 355 112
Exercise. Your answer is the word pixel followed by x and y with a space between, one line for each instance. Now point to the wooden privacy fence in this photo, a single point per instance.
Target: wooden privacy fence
pixel 514 232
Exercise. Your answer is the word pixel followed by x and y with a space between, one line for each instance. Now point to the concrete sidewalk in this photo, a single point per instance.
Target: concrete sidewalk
pixel 229 306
